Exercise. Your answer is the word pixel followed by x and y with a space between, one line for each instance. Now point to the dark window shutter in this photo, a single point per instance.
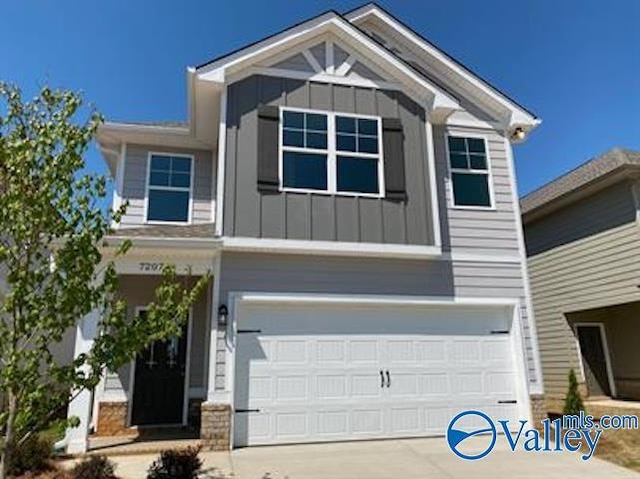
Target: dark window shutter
pixel 393 147
pixel 268 123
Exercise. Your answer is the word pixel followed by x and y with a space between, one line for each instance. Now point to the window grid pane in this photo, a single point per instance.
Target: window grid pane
pixel 172 171
pixel 467 154
pixel 309 170
pixel 364 140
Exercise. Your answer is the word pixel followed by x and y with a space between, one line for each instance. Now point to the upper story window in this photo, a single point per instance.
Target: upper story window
pixel 331 153
pixel 469 172
pixel 169 188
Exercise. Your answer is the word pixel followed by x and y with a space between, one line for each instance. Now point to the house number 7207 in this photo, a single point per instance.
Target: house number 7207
pixel 151 266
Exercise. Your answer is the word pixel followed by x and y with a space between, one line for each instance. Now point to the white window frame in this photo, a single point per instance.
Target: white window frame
pixel 487 172
pixel 148 186
pixel 332 154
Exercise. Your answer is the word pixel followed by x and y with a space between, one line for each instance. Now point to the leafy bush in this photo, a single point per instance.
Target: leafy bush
pixel 95 467
pixel 176 464
pixel 573 402
pixel 32 455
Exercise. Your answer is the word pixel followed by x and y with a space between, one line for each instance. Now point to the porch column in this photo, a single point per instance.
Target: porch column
pixel 77 438
pixel 215 429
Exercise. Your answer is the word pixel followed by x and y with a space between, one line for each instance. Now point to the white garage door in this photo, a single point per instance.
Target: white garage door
pixel 318 373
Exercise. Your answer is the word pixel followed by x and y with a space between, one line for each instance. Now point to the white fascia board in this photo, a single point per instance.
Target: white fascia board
pixel 218 71
pixel 112 126
pixel 519 116
pixel 156 242
pixel 364 299
pixel 329 248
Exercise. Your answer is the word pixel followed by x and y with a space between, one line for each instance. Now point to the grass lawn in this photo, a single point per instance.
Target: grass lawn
pixel 621 446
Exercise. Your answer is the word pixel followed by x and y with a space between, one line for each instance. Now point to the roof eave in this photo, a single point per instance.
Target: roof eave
pixel 520 116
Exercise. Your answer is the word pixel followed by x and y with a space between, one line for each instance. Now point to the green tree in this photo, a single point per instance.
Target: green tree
pixel 52 233
pixel 573 401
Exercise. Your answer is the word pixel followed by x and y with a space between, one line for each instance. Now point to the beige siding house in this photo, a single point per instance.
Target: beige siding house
pixel 583 245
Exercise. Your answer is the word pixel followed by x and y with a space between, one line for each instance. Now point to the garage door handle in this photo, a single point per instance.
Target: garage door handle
pixel 388 379
pixel 247 410
pixel 381 379
pixel 509 401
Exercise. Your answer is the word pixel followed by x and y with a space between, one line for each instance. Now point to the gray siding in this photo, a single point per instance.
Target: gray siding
pixel 332 275
pixel 602 211
pixel 592 272
pixel 319 217
pixel 478 231
pixel 135 180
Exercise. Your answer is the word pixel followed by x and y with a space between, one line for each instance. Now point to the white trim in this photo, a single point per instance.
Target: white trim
pixel 217 71
pixel 222 148
pixel 261 298
pixel 118 189
pixel 191 158
pixel 187 374
pixel 537 384
pixel 464 255
pixel 214 182
pixel 605 350
pixel 321 78
pixel 452 202
pixel 433 184
pixel 124 127
pixel 312 60
pixel 329 58
pixel 331 153
pixel 369 299
pixel 345 68
pixel 329 248
pixel 213 396
pixel 518 114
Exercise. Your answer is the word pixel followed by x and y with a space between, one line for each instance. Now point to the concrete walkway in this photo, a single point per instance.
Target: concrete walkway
pixel 393 459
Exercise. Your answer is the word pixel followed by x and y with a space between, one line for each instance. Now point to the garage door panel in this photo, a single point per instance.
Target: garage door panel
pixel 314 374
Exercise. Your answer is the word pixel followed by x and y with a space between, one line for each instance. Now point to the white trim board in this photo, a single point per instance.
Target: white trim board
pixel 518 114
pixel 330 22
pixel 330 248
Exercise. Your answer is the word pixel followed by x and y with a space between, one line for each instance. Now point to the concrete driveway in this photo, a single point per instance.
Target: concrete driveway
pixel 409 459
pixel 392 459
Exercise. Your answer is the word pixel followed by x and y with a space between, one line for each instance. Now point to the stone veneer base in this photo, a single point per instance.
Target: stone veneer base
pixel 215 426
pixel 112 419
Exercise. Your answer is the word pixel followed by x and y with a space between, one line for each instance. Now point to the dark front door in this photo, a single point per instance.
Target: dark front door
pixel 158 392
pixel 594 360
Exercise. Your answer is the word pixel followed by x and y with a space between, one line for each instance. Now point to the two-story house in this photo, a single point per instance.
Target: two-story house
pixel 583 241
pixel 351 188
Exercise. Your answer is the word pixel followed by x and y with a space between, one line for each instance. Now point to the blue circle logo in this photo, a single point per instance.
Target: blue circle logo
pixel 469 424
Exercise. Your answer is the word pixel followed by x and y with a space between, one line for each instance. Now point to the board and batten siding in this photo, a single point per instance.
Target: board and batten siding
pixel 593 271
pixel 256 272
pixel 302 216
pixel 135 181
pixel 483 231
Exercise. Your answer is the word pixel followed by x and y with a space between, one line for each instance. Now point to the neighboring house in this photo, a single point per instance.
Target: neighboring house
pixel 351 188
pixel 583 242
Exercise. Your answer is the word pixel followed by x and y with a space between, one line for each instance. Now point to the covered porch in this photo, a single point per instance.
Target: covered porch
pixel 607 345
pixel 160 394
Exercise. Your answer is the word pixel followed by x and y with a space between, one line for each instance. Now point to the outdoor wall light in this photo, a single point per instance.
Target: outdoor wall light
pixel 518 134
pixel 223 314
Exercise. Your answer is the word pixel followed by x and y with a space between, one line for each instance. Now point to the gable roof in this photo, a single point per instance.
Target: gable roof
pixel 525 116
pixel 214 70
pixel 592 171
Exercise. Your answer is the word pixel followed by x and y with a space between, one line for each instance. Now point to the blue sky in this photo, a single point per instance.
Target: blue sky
pixel 576 64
